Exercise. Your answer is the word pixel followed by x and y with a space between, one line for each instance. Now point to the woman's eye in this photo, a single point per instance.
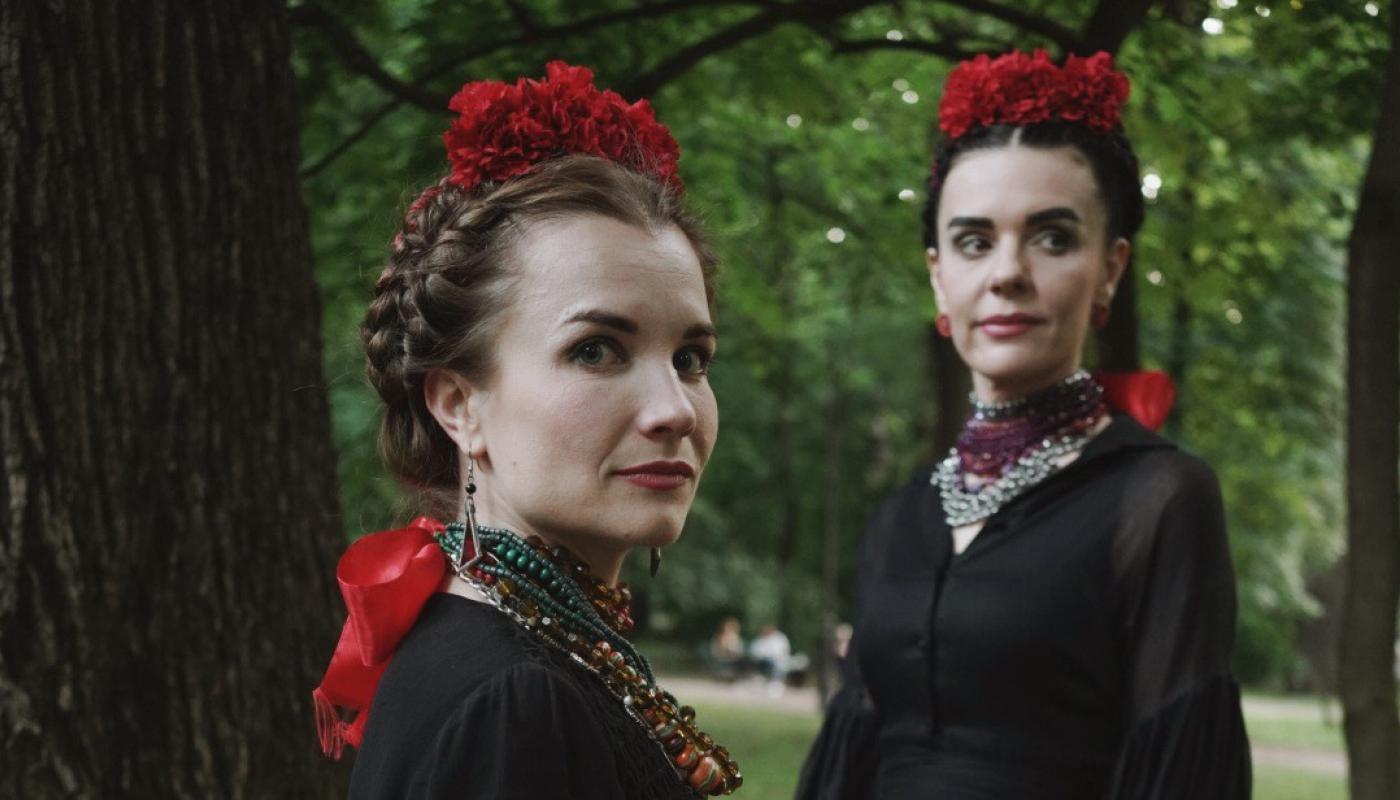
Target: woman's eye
pixel 692 361
pixel 973 245
pixel 1056 241
pixel 596 353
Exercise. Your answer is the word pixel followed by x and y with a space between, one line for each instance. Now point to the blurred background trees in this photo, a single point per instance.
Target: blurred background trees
pixel 806 131
pixel 806 128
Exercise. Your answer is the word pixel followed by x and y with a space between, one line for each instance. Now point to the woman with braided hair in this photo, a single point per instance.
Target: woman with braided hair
pixel 1048 613
pixel 540 337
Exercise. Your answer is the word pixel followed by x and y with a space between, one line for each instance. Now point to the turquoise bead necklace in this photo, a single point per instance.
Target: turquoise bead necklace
pixel 547 591
pixel 534 572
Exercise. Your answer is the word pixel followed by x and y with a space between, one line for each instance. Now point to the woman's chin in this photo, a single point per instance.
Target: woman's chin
pixel 662 532
pixel 1018 376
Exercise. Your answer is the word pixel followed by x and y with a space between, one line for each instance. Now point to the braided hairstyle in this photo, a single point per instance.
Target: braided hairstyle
pixel 449 278
pixel 1110 156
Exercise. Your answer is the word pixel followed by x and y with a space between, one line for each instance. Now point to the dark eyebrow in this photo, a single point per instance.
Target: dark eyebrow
pixel 1050 214
pixel 621 323
pixel 969 222
pixel 700 330
pixel 604 318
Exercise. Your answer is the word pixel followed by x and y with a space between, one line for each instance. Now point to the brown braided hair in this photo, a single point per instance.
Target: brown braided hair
pixel 449 277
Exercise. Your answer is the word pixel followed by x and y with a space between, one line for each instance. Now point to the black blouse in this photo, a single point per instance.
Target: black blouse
pixel 1078 648
pixel 473 706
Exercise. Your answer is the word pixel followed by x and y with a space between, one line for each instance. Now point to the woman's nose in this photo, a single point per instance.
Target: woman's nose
pixel 1010 273
pixel 667 409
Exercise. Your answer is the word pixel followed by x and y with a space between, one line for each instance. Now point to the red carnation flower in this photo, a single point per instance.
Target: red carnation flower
pixel 504 130
pixel 1021 89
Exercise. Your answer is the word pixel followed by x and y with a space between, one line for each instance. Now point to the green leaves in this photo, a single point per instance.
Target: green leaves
pixel 809 168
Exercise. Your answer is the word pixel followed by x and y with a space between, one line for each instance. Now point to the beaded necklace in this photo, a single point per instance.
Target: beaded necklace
pixel 551 593
pixel 1010 447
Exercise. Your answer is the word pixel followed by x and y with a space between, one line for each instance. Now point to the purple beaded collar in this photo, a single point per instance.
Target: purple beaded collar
pixel 997 435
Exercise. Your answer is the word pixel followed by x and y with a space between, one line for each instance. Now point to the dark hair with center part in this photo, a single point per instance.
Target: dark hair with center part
pixel 439 300
pixel 1110 156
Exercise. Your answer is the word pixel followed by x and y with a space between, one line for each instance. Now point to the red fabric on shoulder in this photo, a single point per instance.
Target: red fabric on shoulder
pixel 1147 395
pixel 385 578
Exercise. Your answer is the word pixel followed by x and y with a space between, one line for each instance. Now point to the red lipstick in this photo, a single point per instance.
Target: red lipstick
pixel 659 475
pixel 1007 326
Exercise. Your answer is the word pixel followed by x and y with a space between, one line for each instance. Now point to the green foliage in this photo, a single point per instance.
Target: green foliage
pixel 797 158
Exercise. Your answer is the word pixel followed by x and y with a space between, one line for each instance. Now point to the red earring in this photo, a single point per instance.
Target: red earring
pixel 944 326
pixel 1099 317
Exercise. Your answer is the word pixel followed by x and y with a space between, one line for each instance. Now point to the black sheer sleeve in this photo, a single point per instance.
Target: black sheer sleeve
pixel 525 734
pixel 1185 734
pixel 841 764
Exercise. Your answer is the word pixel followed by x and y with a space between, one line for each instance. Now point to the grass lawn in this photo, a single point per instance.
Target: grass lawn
pixel 770 746
pixel 1285 784
pixel 1294 733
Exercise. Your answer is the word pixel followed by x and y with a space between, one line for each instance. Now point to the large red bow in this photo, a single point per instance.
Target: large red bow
pixel 1147 396
pixel 385 579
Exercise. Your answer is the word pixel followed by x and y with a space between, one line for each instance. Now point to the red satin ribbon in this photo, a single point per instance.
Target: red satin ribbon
pixel 1147 395
pixel 385 579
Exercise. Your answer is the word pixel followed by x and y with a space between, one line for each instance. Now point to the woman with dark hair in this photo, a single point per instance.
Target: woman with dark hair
pixel 1048 612
pixel 540 337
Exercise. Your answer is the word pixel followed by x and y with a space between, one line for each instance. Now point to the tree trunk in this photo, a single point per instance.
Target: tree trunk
pixel 833 479
pixel 1111 22
pixel 1373 454
pixel 168 483
pixel 1107 28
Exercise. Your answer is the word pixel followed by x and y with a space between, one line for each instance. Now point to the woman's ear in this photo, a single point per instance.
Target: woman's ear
pixel 931 261
pixel 455 403
pixel 1119 254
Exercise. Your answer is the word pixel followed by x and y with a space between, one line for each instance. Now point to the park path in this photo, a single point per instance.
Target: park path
pixel 803 700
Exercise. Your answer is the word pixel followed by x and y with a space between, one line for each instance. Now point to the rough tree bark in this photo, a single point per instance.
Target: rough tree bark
pixel 1373 452
pixel 167 489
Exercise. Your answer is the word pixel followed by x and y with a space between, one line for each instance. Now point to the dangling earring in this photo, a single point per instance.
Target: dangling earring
pixel 1098 318
pixel 944 326
pixel 471 498
pixel 655 561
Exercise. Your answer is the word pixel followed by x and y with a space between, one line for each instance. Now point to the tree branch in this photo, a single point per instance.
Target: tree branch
pixel 1061 35
pixel 816 15
pixel 1110 24
pixel 943 48
pixel 366 125
pixel 523 16
pixel 357 59
pixel 353 54
pixel 647 83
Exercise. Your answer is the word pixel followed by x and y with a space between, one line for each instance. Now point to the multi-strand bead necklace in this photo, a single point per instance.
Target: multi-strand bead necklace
pixel 1007 448
pixel 552 594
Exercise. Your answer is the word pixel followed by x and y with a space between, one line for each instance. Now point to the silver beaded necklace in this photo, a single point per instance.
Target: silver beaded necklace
pixel 962 506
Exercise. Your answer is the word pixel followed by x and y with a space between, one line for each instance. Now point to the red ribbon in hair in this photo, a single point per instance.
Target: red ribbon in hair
pixel 1146 396
pixel 385 578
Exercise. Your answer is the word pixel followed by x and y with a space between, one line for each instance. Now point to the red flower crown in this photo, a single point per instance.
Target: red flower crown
pixel 504 130
pixel 1021 89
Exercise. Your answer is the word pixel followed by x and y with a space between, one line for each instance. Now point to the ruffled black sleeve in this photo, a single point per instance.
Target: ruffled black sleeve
pixel 842 762
pixel 1185 732
pixel 525 734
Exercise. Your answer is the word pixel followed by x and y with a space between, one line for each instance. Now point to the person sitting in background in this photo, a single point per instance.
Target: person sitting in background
pixel 771 652
pixel 724 653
